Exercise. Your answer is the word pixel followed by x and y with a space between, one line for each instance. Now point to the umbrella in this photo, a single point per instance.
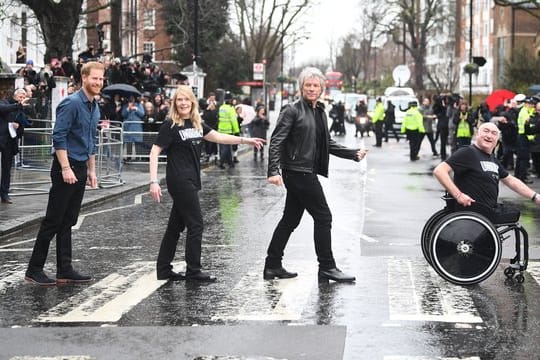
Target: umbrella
pixel 124 90
pixel 498 97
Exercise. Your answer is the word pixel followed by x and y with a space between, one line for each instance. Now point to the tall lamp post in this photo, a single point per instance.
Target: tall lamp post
pixel 470 47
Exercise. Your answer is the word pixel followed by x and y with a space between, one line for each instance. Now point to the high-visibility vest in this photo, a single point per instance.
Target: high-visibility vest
pixel 228 122
pixel 413 120
pixel 463 128
pixel 378 113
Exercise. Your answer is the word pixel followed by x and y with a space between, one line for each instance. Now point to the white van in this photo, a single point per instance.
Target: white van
pixel 400 98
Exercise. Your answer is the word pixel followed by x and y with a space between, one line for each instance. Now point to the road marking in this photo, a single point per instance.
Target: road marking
pixel 136 201
pixel 109 299
pixel 399 357
pixel 16 243
pixel 368 239
pixel 11 276
pixel 416 293
pixel 61 357
pixel 533 268
pixel 256 299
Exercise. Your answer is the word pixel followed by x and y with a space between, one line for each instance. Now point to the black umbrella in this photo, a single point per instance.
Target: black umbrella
pixel 124 90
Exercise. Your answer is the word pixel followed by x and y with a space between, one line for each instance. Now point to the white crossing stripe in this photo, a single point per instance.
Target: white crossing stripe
pixel 12 276
pixel 108 299
pixel 417 293
pixel 62 357
pixel 256 299
pixel 398 357
pixel 533 268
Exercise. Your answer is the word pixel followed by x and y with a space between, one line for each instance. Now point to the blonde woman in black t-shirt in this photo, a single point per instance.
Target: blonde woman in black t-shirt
pixel 181 135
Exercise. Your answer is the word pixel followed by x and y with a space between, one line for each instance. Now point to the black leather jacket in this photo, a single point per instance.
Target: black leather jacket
pixel 292 146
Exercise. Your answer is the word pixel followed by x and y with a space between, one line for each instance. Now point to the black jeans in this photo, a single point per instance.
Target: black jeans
pixel 185 212
pixel 62 213
pixel 304 192
pixel 415 139
pixel 7 163
pixel 443 135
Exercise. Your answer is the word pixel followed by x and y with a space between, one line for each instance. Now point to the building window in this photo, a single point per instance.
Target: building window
pixel 149 19
pixel 148 47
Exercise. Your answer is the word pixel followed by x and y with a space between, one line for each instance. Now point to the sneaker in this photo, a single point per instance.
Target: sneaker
pixel 72 277
pixel 39 278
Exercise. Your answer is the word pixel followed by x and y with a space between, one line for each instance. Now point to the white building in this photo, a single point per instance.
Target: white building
pixel 18 26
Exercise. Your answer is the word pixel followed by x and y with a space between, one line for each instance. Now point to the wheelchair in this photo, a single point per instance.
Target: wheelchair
pixel 465 247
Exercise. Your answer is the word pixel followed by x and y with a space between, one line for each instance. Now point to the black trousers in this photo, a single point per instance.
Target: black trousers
pixel 7 163
pixel 522 158
pixel 415 139
pixel 62 212
pixel 443 135
pixel 378 133
pixel 304 192
pixel 185 212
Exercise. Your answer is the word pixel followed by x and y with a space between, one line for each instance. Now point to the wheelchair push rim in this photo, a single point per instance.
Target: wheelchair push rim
pixel 428 230
pixel 465 248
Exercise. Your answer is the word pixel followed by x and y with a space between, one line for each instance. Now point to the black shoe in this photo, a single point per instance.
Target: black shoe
pixel 527 181
pixel 336 275
pixel 72 277
pixel 39 278
pixel 7 200
pixel 172 276
pixel 279 273
pixel 221 166
pixel 200 276
pixel 235 160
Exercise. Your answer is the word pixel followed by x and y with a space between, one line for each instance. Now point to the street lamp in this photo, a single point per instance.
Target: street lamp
pixel 56 1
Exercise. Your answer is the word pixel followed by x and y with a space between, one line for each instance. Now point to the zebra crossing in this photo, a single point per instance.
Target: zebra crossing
pixel 414 293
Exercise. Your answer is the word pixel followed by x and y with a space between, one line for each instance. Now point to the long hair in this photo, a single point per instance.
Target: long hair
pixel 194 115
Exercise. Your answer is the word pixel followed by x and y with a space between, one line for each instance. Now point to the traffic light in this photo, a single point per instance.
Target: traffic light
pixel 479 60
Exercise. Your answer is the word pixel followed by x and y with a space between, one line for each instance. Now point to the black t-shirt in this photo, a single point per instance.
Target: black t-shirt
pixel 183 146
pixel 477 174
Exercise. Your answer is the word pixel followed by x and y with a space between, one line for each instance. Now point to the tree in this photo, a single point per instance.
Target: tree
pixel 521 71
pixel 357 49
pixel 216 46
pixel 416 19
pixel 268 26
pixel 58 23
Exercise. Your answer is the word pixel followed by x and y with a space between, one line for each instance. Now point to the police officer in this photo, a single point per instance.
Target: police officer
pixel 413 126
pixel 523 144
pixel 378 121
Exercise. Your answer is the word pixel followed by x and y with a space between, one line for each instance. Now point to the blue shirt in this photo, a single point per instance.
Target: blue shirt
pixel 75 129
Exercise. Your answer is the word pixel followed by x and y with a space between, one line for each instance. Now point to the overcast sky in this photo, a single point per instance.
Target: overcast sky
pixel 331 19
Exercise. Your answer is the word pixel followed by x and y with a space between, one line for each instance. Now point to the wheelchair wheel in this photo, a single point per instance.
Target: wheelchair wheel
pixel 465 248
pixel 427 231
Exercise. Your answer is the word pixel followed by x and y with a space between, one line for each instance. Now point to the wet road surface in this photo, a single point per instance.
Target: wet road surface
pixel 398 309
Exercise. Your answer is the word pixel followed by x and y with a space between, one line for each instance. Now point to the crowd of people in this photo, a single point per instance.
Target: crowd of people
pixel 449 123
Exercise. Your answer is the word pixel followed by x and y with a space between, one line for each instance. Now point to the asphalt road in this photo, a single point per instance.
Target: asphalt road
pixel 398 309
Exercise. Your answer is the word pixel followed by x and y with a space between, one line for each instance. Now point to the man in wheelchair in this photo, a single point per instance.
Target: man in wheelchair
pixel 476 175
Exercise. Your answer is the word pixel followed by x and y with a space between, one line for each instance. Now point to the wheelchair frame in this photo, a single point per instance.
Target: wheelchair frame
pixel 465 247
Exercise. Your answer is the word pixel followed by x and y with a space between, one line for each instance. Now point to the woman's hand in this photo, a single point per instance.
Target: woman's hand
pixel 155 191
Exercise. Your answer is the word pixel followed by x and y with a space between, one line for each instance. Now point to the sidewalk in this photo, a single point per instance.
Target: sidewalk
pixel 28 210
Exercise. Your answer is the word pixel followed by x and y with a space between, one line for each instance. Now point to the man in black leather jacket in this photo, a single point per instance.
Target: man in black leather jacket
pixel 299 151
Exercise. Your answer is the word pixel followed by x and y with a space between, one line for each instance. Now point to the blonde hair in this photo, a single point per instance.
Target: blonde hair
pixel 194 115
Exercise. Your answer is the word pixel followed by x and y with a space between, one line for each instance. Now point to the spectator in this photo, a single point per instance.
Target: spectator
pixel 260 125
pixel 132 115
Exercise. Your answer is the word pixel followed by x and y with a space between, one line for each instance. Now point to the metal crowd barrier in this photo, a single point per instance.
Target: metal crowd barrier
pixel 110 155
pixel 31 174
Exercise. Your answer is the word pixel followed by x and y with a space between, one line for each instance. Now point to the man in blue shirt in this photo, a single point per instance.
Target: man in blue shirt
pixel 74 143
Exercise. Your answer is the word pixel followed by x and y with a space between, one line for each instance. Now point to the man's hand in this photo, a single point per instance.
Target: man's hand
pixel 276 180
pixel 91 179
pixel 464 199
